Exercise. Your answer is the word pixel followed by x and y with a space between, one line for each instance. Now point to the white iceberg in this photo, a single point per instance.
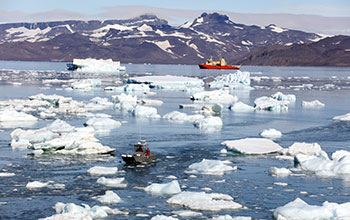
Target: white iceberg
pixel 98 103
pixel 4 174
pixel 109 197
pixel 216 96
pixel 124 98
pixel 339 154
pixel 103 124
pixel 99 170
pixel 298 209
pixel 187 213
pixel 312 104
pixel 209 124
pixel 170 188
pixel 145 112
pixel 211 167
pixel 302 148
pixel 345 117
pixel 112 182
pixel 282 97
pixel 271 133
pixel 241 107
pixel 136 88
pixel 180 117
pixel 228 217
pixel 73 211
pixel 238 80
pixel 280 172
pixel 253 146
pixel 270 104
pixel 97 65
pixel 170 82
pixel 149 102
pixel 37 185
pixel 204 201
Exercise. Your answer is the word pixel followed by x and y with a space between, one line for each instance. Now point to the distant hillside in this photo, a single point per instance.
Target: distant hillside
pixel 332 51
pixel 146 39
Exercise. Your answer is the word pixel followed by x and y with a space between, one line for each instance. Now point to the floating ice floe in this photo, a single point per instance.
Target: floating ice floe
pixel 109 197
pixel 339 154
pixel 37 185
pixel 216 96
pixel 209 124
pixel 170 188
pixel 101 124
pixel 99 170
pixel 228 217
pixel 282 97
pixel 170 82
pixel 208 110
pixel 86 84
pixel 298 209
pixel 97 65
pixel 238 80
pixel 280 172
pixel 3 174
pixel 149 102
pixel 204 201
pixel 312 104
pixel 60 138
pixel 241 107
pixel 302 148
pixel 270 104
pixel 136 88
pixel 271 133
pixel 345 117
pixel 124 98
pixel 98 103
pixel 179 117
pixel 211 167
pixel 112 182
pixel 10 115
pixel 322 166
pixel 145 112
pixel 73 211
pixel 163 217
pixel 187 213
pixel 253 146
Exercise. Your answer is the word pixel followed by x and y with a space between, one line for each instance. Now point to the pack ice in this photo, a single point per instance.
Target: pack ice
pixel 253 146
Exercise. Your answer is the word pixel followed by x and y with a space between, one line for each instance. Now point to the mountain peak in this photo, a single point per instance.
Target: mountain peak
pixel 215 17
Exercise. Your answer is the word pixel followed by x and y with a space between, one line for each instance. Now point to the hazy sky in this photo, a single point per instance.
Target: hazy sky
pixel 89 7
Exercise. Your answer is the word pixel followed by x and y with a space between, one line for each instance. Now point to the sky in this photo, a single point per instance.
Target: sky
pixel 94 8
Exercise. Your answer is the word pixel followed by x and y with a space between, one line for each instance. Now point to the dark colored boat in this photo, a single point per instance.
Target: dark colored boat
pixel 220 67
pixel 71 66
pixel 140 155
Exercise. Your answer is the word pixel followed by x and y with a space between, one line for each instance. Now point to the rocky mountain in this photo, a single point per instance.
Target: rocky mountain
pixel 145 39
pixel 331 51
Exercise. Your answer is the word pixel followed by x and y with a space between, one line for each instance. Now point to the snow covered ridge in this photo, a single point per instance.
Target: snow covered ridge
pixel 298 209
pixel 98 65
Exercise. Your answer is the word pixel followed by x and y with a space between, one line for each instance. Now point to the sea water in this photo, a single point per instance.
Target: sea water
pixel 178 145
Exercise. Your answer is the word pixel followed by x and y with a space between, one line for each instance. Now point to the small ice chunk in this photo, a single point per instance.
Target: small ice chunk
pixel 223 151
pixel 282 97
pixel 253 146
pixel 209 124
pixel 99 170
pixel 163 217
pixel 216 96
pixel 270 104
pixel 8 115
pixel 298 209
pixel 37 185
pixel 345 117
pixel 211 167
pixel 280 172
pixel 303 148
pixel 228 217
pixel 112 182
pixel 187 213
pixel 145 112
pixel 3 174
pixel 271 133
pixel 339 154
pixel 149 102
pixel 170 188
pixel 103 123
pixel 241 107
pixel 204 201
pixel 179 117
pixel 238 80
pixel 109 197
pixel 312 104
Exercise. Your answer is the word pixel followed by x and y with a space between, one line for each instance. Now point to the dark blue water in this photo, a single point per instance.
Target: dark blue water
pixel 250 185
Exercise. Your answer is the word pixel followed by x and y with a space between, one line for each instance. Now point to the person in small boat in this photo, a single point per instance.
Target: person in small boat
pixel 148 152
pixel 139 149
pixel 223 62
pixel 210 61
